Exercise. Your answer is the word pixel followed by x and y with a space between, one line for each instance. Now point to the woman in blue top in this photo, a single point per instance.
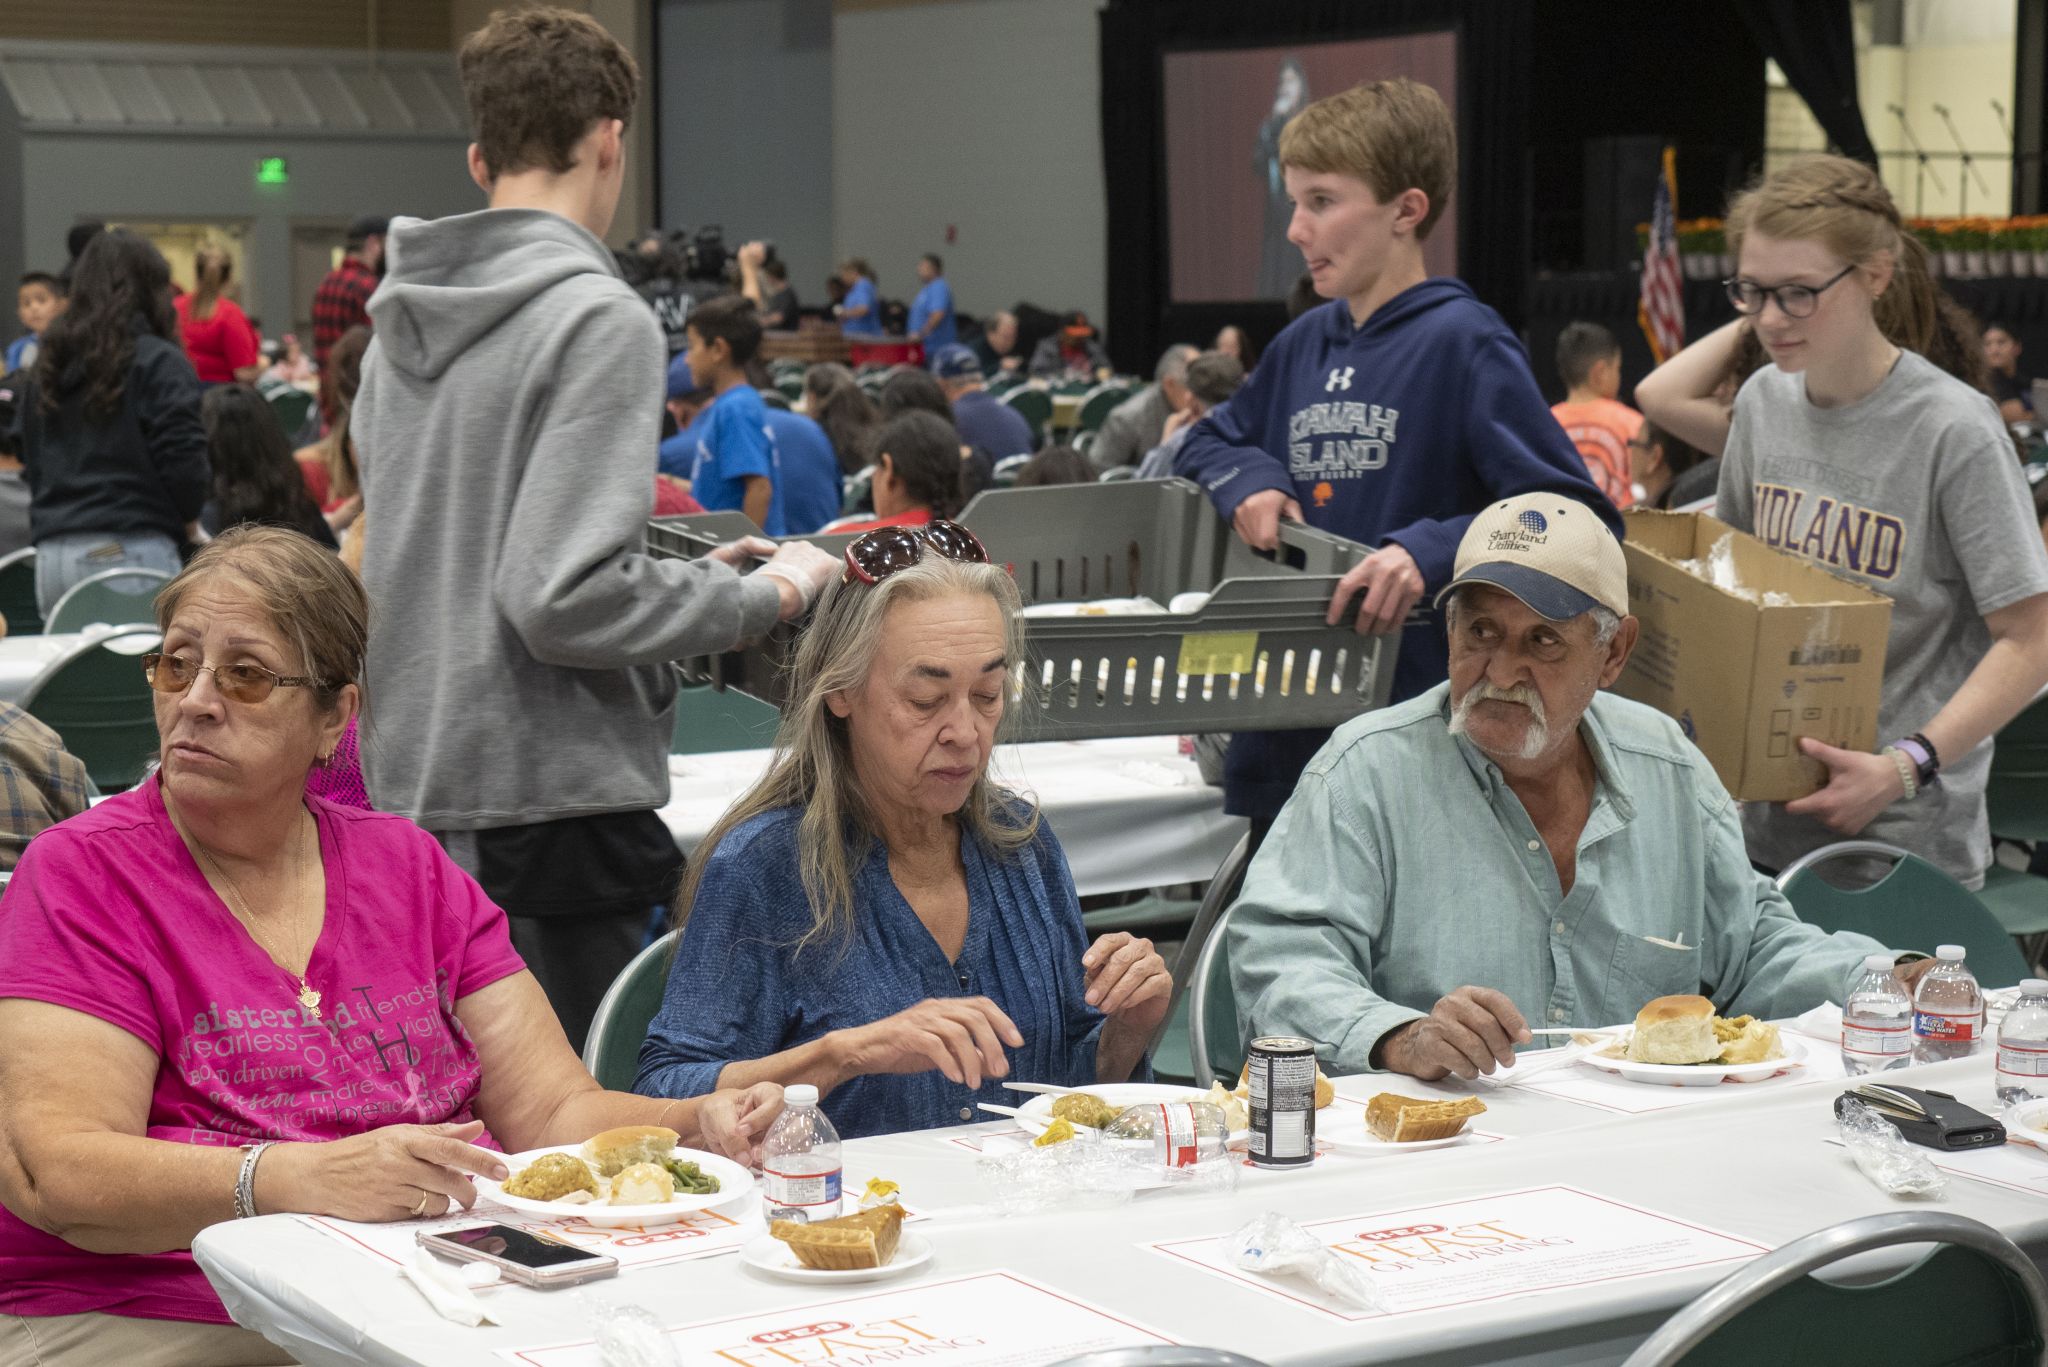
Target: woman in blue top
pixel 861 310
pixel 876 917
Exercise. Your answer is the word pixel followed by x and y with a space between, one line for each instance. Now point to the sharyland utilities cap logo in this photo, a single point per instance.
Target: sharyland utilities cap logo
pixel 1534 521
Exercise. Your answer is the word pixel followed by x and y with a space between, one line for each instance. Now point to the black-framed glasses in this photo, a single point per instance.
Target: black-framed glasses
pixel 246 683
pixel 1794 301
pixel 876 555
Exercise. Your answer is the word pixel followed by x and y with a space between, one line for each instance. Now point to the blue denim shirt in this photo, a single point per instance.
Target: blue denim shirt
pixel 1404 867
pixel 740 991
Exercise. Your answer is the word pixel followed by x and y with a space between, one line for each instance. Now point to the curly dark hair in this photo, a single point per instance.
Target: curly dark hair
pixel 537 80
pixel 848 415
pixel 909 389
pixel 121 280
pixel 255 478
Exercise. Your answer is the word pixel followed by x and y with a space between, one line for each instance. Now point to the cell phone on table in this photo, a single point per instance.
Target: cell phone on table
pixel 520 1256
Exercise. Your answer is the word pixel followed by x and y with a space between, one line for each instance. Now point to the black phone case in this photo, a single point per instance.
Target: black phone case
pixel 1933 1120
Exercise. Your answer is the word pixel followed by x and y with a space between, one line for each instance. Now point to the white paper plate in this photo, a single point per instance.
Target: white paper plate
pixel 769 1254
pixel 2029 1121
pixel 1363 1143
pixel 1035 1114
pixel 734 1182
pixel 1702 1074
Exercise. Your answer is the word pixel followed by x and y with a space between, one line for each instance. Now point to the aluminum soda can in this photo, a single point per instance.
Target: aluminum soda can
pixel 1281 1074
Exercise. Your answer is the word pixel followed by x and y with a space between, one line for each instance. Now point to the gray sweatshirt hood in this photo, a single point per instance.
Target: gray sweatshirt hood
pixel 449 281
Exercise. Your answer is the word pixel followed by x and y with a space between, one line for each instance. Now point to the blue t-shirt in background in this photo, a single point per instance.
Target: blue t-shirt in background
pixel 935 299
pixel 21 353
pixel 678 454
pixel 809 488
pixel 986 421
pixel 734 444
pixel 862 295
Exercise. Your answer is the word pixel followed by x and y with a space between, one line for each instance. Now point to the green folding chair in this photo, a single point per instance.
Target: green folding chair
pixel 710 721
pixel 2017 798
pixel 115 598
pixel 1976 1300
pixel 98 701
pixel 293 407
pixel 611 1051
pixel 1033 405
pixel 1200 1039
pixel 1099 404
pixel 18 594
pixel 1914 906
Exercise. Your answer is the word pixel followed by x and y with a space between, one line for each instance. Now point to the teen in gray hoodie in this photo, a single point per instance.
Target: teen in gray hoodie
pixel 520 696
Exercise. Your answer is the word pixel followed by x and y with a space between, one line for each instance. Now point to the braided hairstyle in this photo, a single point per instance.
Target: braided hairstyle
pixel 1841 203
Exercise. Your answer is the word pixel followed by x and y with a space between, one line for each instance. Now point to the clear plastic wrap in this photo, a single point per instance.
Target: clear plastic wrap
pixel 1274 1245
pixel 1092 1170
pixel 1884 1155
pixel 628 1336
pixel 1717 567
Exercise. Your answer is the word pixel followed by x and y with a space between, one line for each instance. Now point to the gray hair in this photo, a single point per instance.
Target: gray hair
pixel 813 764
pixel 1173 363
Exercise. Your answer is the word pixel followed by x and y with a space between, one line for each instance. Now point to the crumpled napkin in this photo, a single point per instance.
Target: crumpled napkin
pixel 451 1291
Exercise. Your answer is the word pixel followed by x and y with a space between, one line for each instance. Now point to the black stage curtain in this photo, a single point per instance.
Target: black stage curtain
pixel 1814 41
pixel 1492 197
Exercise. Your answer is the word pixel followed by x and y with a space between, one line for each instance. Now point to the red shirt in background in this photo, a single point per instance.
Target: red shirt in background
pixel 672 497
pixel 341 302
pixel 219 344
pixel 1602 430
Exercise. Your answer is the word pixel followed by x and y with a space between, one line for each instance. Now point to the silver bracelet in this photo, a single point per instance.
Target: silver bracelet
pixel 245 1183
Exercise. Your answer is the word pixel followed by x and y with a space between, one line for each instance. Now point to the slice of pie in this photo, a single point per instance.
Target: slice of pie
pixel 1396 1119
pixel 842 1245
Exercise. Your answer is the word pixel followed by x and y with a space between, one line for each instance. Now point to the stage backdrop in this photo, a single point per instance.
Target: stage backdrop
pixel 1227 208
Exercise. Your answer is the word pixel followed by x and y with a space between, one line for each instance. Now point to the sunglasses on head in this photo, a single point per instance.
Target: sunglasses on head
pixel 876 555
pixel 244 683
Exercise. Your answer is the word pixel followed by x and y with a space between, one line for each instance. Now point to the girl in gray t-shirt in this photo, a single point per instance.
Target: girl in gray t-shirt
pixel 1874 464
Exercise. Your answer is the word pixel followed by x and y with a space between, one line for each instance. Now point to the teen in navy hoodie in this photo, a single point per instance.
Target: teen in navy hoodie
pixel 1392 432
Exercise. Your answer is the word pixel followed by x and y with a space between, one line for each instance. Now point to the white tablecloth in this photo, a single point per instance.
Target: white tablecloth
pixel 1131 812
pixel 1753 1163
pixel 23 658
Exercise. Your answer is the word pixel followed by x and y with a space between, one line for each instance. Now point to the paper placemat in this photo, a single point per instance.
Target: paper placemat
pixel 1460 1253
pixel 2014 1166
pixel 994 1319
pixel 1589 1086
pixel 696 1235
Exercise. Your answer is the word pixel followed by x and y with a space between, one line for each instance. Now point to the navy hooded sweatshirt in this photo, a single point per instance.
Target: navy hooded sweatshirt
pixel 1398 431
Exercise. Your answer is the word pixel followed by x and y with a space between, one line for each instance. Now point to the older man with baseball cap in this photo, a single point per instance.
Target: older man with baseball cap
pixel 1514 847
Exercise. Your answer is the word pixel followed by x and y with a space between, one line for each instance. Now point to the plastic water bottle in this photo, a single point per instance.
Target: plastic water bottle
pixel 1877 1020
pixel 800 1166
pixel 1948 1009
pixel 2023 1046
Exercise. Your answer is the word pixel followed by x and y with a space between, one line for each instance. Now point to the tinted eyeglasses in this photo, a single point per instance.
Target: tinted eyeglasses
pixel 1795 301
pixel 246 683
pixel 878 554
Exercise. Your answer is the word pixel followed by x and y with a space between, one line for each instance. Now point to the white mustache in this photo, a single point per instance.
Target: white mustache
pixel 1534 741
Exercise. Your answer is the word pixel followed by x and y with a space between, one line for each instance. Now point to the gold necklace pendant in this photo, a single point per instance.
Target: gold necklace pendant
pixel 309 998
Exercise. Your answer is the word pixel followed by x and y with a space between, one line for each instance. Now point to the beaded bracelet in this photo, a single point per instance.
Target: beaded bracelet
pixel 245 1183
pixel 1905 765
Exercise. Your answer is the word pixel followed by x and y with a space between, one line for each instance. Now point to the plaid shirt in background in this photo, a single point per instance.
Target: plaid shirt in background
pixel 41 783
pixel 341 302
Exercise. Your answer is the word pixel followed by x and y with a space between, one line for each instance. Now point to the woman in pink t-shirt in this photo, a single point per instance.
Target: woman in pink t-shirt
pixel 221 997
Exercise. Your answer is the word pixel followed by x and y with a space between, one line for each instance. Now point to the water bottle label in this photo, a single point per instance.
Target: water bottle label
pixel 1177 1122
pixel 1950 1029
pixel 2023 1060
pixel 1884 1041
pixel 802 1191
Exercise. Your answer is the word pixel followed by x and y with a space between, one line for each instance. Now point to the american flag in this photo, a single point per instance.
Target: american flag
pixel 1662 307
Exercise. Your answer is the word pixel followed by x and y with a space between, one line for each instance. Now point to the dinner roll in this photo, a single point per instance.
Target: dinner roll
pixel 616 1150
pixel 1675 1030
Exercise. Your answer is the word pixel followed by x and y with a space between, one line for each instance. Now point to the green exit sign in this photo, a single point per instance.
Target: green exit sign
pixel 272 171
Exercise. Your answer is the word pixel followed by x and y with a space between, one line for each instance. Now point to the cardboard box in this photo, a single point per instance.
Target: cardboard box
pixel 1746 680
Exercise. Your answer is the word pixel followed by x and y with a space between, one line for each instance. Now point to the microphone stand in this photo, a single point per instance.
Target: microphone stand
pixel 1924 171
pixel 1969 162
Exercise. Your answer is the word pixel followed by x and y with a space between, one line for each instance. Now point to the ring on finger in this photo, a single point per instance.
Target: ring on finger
pixel 421 1209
